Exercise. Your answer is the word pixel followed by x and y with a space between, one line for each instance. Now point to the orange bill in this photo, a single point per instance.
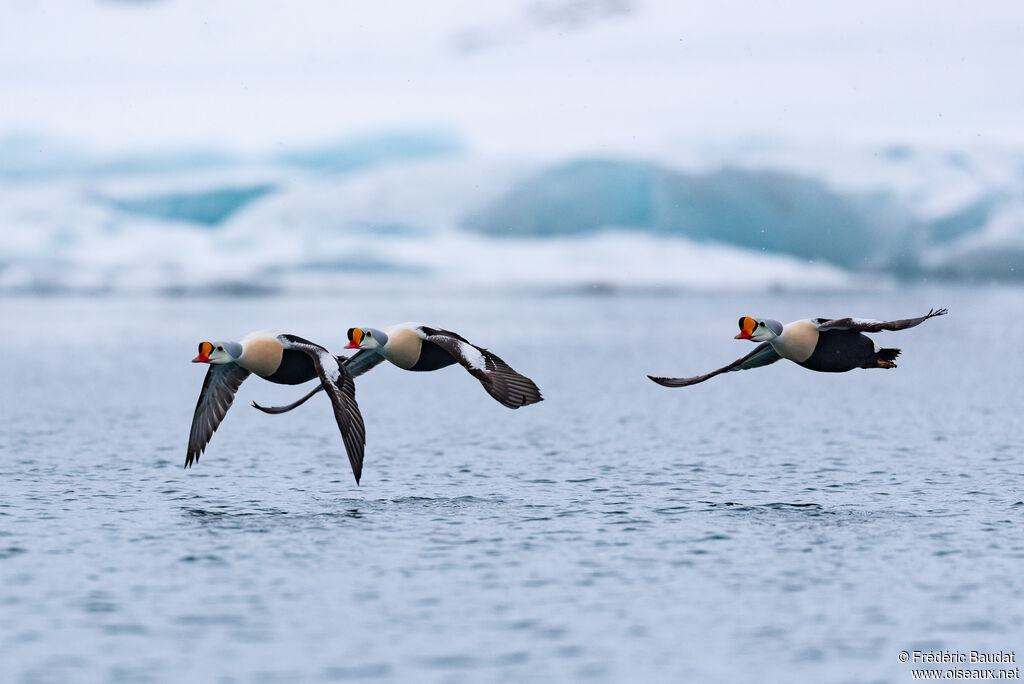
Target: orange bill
pixel 747 325
pixel 355 337
pixel 204 353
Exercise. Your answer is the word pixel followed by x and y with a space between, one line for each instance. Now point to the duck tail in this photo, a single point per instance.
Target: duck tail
pixel 884 358
pixel 887 354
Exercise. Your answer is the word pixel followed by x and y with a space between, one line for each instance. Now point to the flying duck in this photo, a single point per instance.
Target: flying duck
pixel 828 345
pixel 283 359
pixel 416 347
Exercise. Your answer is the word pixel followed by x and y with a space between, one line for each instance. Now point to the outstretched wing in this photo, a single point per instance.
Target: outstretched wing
pixel 219 387
pixel 357 364
pixel 342 390
pixel 867 325
pixel 274 410
pixel 362 361
pixel 763 355
pixel 499 379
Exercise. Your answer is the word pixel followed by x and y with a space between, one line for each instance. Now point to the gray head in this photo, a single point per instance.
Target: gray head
pixel 758 329
pixel 366 338
pixel 218 352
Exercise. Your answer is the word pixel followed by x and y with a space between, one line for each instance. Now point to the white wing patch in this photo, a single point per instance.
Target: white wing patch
pixel 330 364
pixel 473 357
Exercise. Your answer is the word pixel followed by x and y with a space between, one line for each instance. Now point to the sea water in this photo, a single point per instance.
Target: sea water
pixel 774 525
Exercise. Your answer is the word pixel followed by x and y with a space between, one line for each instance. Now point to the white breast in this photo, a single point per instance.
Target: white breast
pixel 797 341
pixel 261 353
pixel 403 347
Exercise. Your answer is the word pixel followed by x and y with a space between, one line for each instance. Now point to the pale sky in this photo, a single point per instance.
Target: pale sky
pixel 545 77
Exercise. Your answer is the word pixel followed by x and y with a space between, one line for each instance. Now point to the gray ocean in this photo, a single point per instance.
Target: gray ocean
pixel 775 525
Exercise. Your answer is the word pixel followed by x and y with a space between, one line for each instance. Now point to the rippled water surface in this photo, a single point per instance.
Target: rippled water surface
pixel 772 525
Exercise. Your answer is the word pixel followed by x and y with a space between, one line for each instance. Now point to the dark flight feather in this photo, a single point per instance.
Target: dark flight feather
pixel 763 355
pixel 218 393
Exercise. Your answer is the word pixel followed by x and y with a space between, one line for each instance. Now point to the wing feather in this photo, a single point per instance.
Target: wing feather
pixel 866 325
pixel 341 388
pixel 501 381
pixel 219 387
pixel 763 355
pixel 357 364
pixel 274 410
pixel 362 361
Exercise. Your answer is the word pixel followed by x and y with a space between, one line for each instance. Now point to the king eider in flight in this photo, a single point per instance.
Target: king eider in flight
pixel 827 345
pixel 279 358
pixel 416 347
